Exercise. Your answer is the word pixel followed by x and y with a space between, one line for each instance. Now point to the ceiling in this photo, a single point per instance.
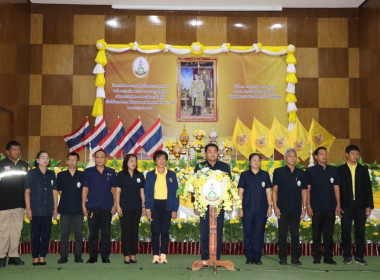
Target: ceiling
pixel 249 5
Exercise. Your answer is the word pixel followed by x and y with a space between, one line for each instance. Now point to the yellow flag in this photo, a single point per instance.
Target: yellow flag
pixel 241 138
pixel 319 136
pixel 279 136
pixel 260 138
pixel 299 140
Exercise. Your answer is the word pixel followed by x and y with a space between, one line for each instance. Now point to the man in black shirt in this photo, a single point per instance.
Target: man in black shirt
pixel 70 207
pixel 289 193
pixel 12 203
pixel 323 204
pixel 211 151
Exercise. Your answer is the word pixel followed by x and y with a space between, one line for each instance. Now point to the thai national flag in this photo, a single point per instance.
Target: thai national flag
pixel 109 142
pixel 151 141
pixel 128 142
pixel 92 139
pixel 74 139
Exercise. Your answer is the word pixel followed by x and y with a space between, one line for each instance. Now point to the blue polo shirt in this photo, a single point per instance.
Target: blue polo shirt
pixel 255 199
pixel 70 202
pixel 290 185
pixel 322 181
pixel 41 191
pixel 99 187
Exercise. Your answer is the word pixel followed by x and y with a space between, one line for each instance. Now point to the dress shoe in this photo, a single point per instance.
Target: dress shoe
pixel 92 260
pixel 3 262
pixel 15 261
pixel 78 259
pixel 36 263
pixel 361 261
pixel 258 262
pixel 42 263
pixel 330 262
pixel 296 262
pixel 248 261
pixel 316 262
pixel 133 261
pixel 106 260
pixel 62 260
pixel 127 262
pixel 283 262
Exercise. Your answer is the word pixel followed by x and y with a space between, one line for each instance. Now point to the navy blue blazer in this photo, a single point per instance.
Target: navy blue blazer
pixel 172 184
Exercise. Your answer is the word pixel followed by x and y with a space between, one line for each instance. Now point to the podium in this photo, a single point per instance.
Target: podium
pixel 212 262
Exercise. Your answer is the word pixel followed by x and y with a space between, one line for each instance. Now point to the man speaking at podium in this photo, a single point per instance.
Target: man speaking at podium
pixel 211 153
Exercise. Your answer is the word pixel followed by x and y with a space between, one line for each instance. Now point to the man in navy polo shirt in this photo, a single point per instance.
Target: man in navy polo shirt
pixel 289 193
pixel 70 207
pixel 323 204
pixel 98 205
pixel 255 192
pixel 212 162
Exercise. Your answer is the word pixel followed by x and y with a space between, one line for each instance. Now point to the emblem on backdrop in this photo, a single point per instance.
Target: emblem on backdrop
pixel 140 67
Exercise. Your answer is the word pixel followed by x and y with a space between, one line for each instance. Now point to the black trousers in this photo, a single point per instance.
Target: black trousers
pixel 359 217
pixel 291 222
pixel 76 222
pixel 160 227
pixel 205 233
pixel 99 219
pixel 40 235
pixel 129 224
pixel 254 228
pixel 323 222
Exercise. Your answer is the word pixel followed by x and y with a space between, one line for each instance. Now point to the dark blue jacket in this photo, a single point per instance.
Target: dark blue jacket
pixel 172 184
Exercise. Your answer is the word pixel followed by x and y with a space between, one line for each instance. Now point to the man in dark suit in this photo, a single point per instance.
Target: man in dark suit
pixel 356 202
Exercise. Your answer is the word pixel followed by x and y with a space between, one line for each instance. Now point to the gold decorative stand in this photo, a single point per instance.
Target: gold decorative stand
pixel 212 262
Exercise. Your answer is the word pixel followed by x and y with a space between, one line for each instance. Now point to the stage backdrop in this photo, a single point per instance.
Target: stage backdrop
pixel 223 86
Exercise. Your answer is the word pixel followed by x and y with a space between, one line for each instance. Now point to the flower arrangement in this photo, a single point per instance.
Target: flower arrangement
pixel 197 144
pixel 196 182
pixel 199 133
pixel 168 144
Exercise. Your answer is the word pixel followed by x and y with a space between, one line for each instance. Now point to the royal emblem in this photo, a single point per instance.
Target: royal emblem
pixel 242 139
pixel 299 145
pixel 261 142
pixel 318 139
pixel 140 67
pixel 212 192
pixel 279 142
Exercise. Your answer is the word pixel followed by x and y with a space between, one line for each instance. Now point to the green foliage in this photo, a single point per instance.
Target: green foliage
pixel 82 165
pixel 233 162
pixel 2 157
pixel 170 164
pixel 148 165
pixel 31 163
pixel 54 163
pixel 182 163
pixel 193 162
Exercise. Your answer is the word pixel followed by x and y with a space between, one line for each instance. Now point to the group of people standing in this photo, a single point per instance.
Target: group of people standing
pixel 323 192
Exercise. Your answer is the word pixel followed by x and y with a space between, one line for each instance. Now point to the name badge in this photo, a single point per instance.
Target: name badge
pixel 263 184
pixel 332 180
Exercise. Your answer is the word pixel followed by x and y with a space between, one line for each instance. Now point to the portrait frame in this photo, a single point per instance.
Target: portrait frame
pixel 197 97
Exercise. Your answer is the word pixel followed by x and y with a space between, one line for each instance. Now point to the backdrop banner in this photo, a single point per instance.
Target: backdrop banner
pixel 210 89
